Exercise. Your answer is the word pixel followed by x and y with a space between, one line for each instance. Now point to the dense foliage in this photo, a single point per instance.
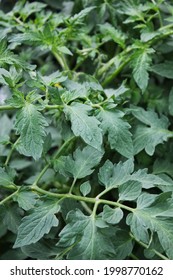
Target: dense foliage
pixel 86 118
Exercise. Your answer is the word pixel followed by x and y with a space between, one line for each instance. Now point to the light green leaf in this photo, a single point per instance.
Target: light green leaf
pixel 30 124
pixel 36 224
pixel 151 134
pixel 112 216
pixel 83 125
pixel 119 135
pixel 85 188
pixel 81 164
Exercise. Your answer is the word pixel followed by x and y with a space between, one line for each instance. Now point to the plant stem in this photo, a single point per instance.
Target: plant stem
pixel 61 60
pixel 11 152
pixel 147 247
pixel 72 186
pixel 56 155
pixel 8 198
pixel 81 198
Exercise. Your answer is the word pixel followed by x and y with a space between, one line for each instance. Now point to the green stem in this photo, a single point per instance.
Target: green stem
pixel 56 155
pixel 116 72
pixel 10 187
pixel 11 152
pixel 6 107
pixel 61 60
pixel 72 186
pixel 47 107
pixel 147 247
pixel 8 198
pixel 81 198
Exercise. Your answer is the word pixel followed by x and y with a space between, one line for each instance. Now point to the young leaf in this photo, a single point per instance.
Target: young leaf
pixel 36 224
pixel 141 64
pixel 83 125
pixel 81 164
pixel 151 134
pixel 119 135
pixel 112 216
pixel 30 124
pixel 85 188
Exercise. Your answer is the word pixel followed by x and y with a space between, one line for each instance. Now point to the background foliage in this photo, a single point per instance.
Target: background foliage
pixel 86 110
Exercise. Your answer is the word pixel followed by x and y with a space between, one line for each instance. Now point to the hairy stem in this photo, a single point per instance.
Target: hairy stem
pixel 8 198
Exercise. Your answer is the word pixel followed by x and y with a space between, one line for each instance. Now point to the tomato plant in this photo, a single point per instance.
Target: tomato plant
pixel 86 111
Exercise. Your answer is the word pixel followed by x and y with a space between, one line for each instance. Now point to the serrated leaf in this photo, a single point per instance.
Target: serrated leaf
pixel 156 216
pixel 112 216
pixel 87 241
pixel 30 124
pixel 36 224
pixel 81 164
pixel 153 133
pixel 84 125
pixel 119 135
pixel 115 175
pixel 85 188
pixel 141 64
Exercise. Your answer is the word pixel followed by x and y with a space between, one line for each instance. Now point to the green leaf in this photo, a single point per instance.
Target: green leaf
pixel 130 190
pixel 26 199
pixel 141 63
pixel 110 32
pixel 156 216
pixel 119 136
pixel 115 175
pixel 30 124
pixel 151 134
pixel 85 188
pixel 86 240
pixel 164 69
pixel 36 224
pixel 83 125
pixel 81 164
pixel 111 176
pixel 112 216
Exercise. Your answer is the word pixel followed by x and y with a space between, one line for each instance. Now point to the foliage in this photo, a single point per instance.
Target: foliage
pixel 86 107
